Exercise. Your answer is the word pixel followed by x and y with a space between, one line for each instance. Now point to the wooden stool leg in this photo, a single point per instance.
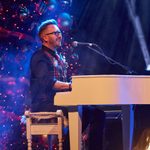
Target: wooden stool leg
pixel 60 142
pixel 29 137
pixel 60 133
pixel 29 144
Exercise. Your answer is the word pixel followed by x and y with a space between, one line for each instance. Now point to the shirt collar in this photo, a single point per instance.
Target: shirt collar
pixel 53 53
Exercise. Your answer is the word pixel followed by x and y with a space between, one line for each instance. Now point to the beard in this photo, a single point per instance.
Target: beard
pixel 58 42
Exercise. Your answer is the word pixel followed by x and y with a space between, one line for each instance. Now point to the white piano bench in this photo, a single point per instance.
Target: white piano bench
pixel 34 127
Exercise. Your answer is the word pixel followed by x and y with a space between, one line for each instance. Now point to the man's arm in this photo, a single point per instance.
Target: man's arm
pixel 43 71
pixel 62 85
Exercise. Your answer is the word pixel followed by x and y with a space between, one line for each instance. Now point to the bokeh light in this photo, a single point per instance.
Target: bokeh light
pixel 65 21
pixel 18 41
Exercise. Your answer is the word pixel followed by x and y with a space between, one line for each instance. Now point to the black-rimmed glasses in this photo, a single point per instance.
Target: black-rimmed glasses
pixel 55 33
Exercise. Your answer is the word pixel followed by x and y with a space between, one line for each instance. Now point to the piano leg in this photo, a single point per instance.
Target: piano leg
pixel 75 127
pixel 128 126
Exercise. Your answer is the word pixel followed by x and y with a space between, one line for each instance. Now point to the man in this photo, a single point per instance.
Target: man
pixel 47 70
pixel 48 76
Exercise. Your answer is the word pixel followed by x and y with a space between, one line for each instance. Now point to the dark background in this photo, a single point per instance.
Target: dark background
pixel 108 24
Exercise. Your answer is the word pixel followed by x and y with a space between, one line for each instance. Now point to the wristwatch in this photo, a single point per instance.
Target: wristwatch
pixel 70 87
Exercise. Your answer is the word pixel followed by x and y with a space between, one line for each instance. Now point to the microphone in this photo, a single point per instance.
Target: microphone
pixel 75 44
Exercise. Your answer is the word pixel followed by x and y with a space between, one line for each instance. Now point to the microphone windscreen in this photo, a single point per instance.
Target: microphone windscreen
pixel 75 43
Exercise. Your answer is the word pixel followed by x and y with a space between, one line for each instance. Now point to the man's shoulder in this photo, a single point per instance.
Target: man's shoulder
pixel 38 54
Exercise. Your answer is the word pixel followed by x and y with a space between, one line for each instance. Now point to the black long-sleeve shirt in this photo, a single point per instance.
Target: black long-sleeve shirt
pixel 42 80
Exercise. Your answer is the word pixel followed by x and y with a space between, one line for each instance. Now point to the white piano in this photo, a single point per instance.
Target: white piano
pixel 102 90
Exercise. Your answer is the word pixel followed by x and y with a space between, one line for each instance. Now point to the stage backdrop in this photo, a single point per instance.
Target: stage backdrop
pixel 108 24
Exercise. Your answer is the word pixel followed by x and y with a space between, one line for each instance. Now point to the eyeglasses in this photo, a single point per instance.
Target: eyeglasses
pixel 55 33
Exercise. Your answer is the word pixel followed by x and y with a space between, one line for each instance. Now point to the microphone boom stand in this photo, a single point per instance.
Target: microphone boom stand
pixel 110 60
